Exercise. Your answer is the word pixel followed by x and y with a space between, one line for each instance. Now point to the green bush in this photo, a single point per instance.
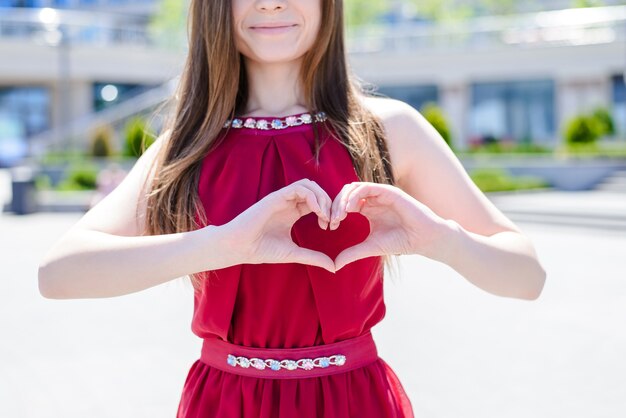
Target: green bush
pixel 42 182
pixel 433 114
pixel 605 121
pixel 102 142
pixel 80 177
pixel 582 129
pixel 531 148
pixel 499 147
pixel 495 180
pixel 138 138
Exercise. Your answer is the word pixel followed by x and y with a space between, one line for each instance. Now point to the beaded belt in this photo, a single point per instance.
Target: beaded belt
pixel 290 363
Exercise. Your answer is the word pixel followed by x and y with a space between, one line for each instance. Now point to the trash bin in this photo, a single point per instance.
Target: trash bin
pixel 24 199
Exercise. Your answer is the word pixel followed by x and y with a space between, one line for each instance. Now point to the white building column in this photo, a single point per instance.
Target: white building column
pixel 454 99
pixel 82 98
pixel 79 99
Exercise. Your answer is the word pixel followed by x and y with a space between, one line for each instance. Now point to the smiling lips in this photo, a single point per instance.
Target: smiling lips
pixel 273 28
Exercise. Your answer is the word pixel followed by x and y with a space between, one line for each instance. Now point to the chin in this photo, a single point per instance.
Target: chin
pixel 274 56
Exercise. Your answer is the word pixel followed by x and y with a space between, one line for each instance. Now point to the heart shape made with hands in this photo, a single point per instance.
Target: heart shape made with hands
pixel 352 230
pixel 375 220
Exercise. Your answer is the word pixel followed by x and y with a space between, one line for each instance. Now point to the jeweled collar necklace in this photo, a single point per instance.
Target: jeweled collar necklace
pixel 264 124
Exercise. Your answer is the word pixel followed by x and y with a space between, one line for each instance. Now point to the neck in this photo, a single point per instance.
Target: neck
pixel 274 89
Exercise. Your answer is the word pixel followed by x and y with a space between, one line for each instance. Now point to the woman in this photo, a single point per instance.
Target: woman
pixel 281 189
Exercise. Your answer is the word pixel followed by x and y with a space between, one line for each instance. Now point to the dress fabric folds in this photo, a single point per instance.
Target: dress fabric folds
pixel 287 305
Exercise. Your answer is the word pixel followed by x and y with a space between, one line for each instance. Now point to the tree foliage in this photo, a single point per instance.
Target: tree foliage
pixel 168 25
pixel 102 141
pixel 435 116
pixel 582 129
pixel 605 121
pixel 361 12
pixel 138 137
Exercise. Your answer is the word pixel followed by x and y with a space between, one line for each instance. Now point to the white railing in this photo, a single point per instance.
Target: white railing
pixel 544 29
pixel 52 26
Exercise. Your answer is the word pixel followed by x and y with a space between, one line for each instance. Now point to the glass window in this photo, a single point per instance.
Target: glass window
pixel 62 3
pixel 518 110
pixel 24 3
pixel 28 105
pixel 619 104
pixel 416 96
pixel 108 94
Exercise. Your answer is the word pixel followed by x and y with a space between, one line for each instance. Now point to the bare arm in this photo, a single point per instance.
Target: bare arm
pixel 478 240
pixel 104 254
pixel 94 264
pixel 504 263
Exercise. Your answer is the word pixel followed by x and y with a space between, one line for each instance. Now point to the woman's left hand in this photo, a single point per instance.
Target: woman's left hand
pixel 399 224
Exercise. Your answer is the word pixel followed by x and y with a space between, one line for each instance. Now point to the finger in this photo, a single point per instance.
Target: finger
pixel 313 258
pixel 337 214
pixel 359 196
pixel 363 249
pixel 323 199
pixel 300 191
pixel 347 201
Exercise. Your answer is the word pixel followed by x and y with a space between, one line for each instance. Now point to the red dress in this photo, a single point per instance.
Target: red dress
pixel 288 305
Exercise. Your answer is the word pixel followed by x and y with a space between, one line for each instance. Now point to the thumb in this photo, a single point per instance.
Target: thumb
pixel 313 258
pixel 361 250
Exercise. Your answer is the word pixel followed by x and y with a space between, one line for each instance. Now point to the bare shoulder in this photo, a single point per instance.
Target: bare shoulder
pixel 386 107
pixel 426 168
pixel 404 127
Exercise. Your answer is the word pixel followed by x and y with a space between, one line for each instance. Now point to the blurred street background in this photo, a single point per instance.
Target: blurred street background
pixel 529 95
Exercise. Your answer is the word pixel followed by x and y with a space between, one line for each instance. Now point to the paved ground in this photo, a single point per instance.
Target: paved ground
pixel 459 351
pixel 5 187
pixel 597 210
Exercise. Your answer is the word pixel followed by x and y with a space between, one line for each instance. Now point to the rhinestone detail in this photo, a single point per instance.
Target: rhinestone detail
pixel 303 363
pixel 264 124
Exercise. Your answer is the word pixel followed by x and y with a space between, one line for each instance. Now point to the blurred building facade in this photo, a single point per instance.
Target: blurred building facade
pixel 519 77
pixel 63 60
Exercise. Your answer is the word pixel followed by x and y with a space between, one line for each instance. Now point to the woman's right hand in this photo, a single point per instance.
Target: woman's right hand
pixel 262 233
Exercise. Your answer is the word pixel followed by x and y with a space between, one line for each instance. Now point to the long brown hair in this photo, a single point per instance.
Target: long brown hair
pixel 213 88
